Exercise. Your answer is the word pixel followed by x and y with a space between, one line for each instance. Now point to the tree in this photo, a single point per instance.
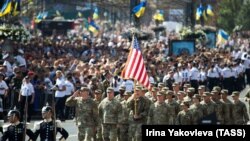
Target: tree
pixel 241 19
pixel 228 13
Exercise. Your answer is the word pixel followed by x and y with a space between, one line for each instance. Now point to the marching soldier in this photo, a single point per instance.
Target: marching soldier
pixel 98 99
pixel 228 107
pixel 105 83
pixel 219 107
pixel 110 113
pixel 138 107
pixel 208 106
pixel 87 120
pixel 240 115
pixel 196 110
pixel 173 107
pixel 46 128
pixel 123 134
pixel 120 96
pixel 159 111
pixel 15 131
pixel 184 117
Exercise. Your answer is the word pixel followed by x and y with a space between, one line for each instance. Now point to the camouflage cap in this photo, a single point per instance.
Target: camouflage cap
pixel 216 88
pixel 160 84
pixel 160 93
pixel 98 92
pixel 224 91
pixel 127 93
pixel 175 84
pixel 187 85
pixel 206 94
pixel 235 93
pixel 181 92
pixel 184 103
pixel 165 89
pixel 110 89
pixel 122 88
pixel 169 92
pixel 84 89
pixel 138 88
pixel 196 96
pixel 154 89
pixel 201 87
pixel 191 90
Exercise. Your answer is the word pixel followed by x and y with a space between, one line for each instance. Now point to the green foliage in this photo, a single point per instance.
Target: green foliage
pixel 228 13
pixel 242 19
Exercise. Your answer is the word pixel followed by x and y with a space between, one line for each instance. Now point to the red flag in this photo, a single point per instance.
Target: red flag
pixel 134 67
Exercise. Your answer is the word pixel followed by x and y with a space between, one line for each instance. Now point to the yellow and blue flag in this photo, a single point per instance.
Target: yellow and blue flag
pixel 6 9
pixel 199 12
pixel 210 10
pixel 159 16
pixel 17 7
pixel 222 36
pixel 139 9
pixel 95 15
pixel 41 16
pixel 93 27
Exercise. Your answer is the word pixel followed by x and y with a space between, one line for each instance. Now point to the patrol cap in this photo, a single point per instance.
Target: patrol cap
pixel 224 91
pixel 206 94
pixel 201 87
pixel 235 93
pixel 127 93
pixel 186 85
pixel 216 88
pixel 196 96
pixel 175 84
pixel 110 89
pixel 138 88
pixel 98 92
pixel 191 90
pixel 184 103
pixel 169 92
pixel 154 89
pixel 160 93
pixel 122 88
pixel 14 112
pixel 181 92
pixel 144 89
pixel 160 84
pixel 46 109
pixel 165 89
pixel 84 89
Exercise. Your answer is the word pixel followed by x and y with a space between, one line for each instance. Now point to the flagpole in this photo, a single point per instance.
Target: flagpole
pixel 135 99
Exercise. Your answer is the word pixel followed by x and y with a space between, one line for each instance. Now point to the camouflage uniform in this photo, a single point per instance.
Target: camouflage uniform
pixel 158 113
pixel 247 99
pixel 239 110
pixel 228 105
pixel 173 109
pixel 135 124
pixel 123 134
pixel 197 113
pixel 184 117
pixel 87 121
pixel 110 113
pixel 99 126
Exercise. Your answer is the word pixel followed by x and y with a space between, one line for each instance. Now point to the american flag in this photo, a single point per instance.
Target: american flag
pixel 134 67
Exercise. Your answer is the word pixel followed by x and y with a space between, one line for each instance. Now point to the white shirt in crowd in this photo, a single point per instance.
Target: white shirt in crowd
pixel 27 89
pixel 227 72
pixel 185 74
pixel 9 71
pixel 129 84
pixel 69 88
pixel 60 82
pixel 20 59
pixel 3 87
pixel 177 77
pixel 213 73
pixel 194 74
pixel 118 82
pixel 202 76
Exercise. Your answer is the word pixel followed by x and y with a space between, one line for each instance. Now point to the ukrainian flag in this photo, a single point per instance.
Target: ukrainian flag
pixel 199 12
pixel 93 27
pixel 159 16
pixel 222 36
pixel 139 9
pixel 210 10
pixel 6 9
pixel 95 15
pixel 41 16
